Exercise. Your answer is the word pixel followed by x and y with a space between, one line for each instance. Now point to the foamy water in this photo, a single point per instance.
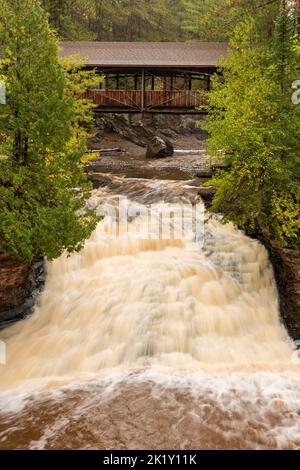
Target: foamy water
pixel 131 320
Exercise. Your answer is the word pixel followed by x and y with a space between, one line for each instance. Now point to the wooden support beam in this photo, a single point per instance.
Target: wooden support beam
pixel 143 92
pixel 152 82
pixel 165 80
pixel 208 83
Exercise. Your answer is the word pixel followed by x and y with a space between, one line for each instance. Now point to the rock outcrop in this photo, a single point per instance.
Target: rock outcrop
pixel 20 285
pixel 207 193
pixel 286 264
pixel 159 148
pixel 135 132
pixel 140 129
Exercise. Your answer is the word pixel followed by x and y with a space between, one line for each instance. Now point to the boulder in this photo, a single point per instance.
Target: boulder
pixel 159 148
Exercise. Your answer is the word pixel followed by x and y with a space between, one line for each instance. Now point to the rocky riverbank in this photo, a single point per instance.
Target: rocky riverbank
pixel 20 285
pixel 286 264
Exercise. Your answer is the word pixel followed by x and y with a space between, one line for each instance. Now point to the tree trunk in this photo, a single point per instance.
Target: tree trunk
pixel 99 19
pixel 20 148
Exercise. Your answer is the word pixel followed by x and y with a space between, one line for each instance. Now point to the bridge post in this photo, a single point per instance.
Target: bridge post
pixel 143 92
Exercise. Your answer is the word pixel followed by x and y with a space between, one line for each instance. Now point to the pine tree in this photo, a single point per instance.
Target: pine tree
pixel 58 12
pixel 41 148
pixel 39 115
pixel 118 20
pixel 72 19
pixel 215 20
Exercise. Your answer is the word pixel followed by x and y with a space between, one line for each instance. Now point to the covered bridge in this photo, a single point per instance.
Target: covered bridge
pixel 155 77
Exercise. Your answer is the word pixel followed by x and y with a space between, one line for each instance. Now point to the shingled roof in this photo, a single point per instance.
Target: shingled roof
pixel 146 54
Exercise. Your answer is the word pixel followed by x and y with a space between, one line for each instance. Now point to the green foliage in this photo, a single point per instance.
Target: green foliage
pixel 38 208
pixel 209 19
pixel 37 115
pixel 214 20
pixel 71 18
pixel 118 20
pixel 43 187
pixel 77 81
pixel 256 125
pixel 155 20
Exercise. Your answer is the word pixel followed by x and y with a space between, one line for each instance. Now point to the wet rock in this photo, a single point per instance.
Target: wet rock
pixel 286 266
pixel 286 263
pixel 205 174
pixel 134 131
pixel 159 148
pixel 138 128
pixel 207 191
pixel 101 126
pixel 99 179
pixel 20 285
pixel 212 169
pixel 219 166
pixel 178 124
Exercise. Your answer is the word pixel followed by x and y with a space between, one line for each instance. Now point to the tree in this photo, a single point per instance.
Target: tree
pixel 129 20
pixel 208 19
pixel 171 27
pixel 72 19
pixel 118 20
pixel 215 20
pixel 43 187
pixel 255 123
pixel 58 13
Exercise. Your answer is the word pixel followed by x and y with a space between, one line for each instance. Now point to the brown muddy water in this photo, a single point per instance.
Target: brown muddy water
pixel 141 341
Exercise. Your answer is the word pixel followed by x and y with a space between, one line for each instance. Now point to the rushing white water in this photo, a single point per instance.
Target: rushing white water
pixel 169 306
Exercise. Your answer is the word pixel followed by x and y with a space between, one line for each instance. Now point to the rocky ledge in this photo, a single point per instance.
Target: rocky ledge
pixel 20 285
pixel 286 264
pixel 141 129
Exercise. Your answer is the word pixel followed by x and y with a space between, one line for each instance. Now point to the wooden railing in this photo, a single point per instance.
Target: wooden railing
pixel 115 98
pixel 173 99
pixel 152 99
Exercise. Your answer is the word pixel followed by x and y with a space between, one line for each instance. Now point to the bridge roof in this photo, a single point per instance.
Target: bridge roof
pixel 146 54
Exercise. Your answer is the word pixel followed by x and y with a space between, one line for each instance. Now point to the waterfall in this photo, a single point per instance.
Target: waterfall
pixel 142 308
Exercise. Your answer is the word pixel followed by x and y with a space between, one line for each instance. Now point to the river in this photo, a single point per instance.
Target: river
pixel 153 340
